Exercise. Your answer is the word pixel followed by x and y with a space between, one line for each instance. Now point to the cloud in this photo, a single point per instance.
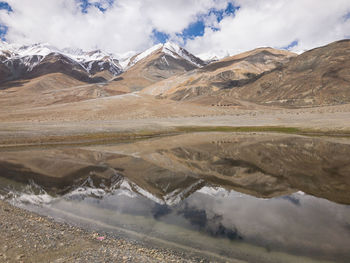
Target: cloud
pixel 119 27
pixel 276 23
pixel 122 25
pixel 174 16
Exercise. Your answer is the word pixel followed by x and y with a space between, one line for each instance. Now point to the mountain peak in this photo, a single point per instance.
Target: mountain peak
pixel 171 46
pixel 170 49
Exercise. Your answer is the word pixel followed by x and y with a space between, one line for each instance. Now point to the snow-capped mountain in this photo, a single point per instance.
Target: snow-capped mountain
pixel 23 60
pixel 156 63
pixel 169 48
pixel 95 61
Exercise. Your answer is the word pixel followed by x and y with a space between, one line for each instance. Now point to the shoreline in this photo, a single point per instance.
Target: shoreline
pixel 29 237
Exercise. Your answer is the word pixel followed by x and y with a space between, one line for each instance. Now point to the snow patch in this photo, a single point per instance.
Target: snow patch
pixel 211 57
pixel 178 195
pixel 177 52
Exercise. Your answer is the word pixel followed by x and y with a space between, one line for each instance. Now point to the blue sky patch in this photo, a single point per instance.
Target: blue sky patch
pixel 193 30
pixel 159 37
pixel 6 6
pixel 85 5
pixel 197 28
pixel 230 10
pixel 347 17
pixel 3 28
pixel 3 31
pixel 291 45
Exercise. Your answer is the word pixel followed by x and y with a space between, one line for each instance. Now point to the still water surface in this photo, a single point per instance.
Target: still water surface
pixel 256 198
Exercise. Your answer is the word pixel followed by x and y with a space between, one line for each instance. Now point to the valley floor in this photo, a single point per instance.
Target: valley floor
pixel 22 129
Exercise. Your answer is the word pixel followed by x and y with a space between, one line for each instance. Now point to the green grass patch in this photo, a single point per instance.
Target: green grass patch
pixel 115 137
pixel 289 130
pixel 273 129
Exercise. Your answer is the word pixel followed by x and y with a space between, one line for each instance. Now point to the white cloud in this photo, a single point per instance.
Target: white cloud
pixel 61 23
pixel 126 25
pixel 276 23
pixel 175 15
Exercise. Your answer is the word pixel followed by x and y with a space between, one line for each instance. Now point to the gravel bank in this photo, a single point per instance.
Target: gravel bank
pixel 27 237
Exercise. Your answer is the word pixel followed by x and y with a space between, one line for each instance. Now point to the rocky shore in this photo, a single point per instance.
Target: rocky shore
pixel 28 237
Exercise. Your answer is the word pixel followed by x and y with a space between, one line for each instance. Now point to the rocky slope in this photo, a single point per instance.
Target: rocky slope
pixel 317 77
pixel 266 76
pixel 228 73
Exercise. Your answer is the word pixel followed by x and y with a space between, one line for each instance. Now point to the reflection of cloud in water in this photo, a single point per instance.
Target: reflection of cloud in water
pixel 211 225
pixel 278 221
pixel 298 223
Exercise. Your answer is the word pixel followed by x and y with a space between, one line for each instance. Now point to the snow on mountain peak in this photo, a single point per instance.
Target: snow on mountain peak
pixel 74 51
pixel 176 51
pixel 24 51
pixel 100 59
pixel 144 54
pixel 168 48
pixel 171 47
pixel 36 49
pixel 214 56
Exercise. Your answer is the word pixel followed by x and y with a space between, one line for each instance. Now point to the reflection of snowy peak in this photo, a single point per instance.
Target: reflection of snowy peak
pixel 125 187
pixel 89 188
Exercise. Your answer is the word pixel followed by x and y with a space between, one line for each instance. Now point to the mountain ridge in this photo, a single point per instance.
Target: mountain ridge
pixel 264 76
pixel 22 60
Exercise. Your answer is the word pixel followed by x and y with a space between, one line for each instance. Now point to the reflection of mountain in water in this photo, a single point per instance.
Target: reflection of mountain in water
pixel 271 167
pixel 171 169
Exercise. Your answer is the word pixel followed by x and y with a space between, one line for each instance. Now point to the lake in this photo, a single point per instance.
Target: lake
pixel 227 196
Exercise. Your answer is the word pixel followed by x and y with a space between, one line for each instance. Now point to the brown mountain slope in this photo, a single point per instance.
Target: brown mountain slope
pixel 18 70
pixel 155 67
pixel 317 77
pixel 230 72
pixel 4 72
pixel 57 63
pixel 54 88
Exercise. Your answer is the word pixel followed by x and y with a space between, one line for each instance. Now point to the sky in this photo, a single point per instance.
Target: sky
pixel 204 27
